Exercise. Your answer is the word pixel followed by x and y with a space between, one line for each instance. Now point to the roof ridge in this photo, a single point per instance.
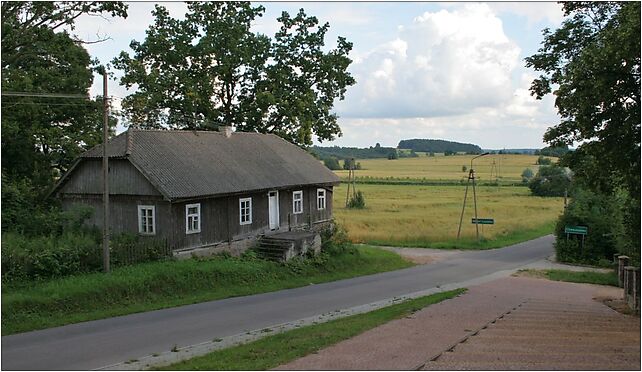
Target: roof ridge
pixel 129 141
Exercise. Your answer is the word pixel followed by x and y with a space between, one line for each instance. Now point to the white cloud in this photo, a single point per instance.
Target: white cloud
pixel 444 63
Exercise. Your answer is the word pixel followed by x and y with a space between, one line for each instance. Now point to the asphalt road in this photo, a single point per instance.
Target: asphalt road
pixel 100 343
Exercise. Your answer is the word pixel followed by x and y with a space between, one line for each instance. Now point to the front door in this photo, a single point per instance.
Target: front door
pixel 273 209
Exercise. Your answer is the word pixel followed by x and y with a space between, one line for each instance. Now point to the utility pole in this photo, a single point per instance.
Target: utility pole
pixel 105 175
pixel 471 177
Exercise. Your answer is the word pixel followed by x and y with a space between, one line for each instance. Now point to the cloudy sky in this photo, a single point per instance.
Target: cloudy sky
pixel 451 71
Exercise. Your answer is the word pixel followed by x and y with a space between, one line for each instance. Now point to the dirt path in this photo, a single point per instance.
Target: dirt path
pixel 511 323
pixel 421 256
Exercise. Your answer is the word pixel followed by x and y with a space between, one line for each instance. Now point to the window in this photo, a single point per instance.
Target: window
pixel 245 211
pixel 297 202
pixel 192 218
pixel 320 199
pixel 146 220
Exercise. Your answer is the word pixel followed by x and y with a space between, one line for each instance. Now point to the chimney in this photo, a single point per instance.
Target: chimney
pixel 226 130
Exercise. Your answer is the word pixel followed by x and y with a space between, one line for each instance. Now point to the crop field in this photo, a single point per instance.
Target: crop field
pixel 505 168
pixel 428 216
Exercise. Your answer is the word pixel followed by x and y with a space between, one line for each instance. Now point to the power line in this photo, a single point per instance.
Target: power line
pixel 48 95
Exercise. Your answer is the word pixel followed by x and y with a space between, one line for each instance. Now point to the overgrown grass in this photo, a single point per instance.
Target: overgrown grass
pixel 272 351
pixel 151 286
pixel 428 216
pixel 608 278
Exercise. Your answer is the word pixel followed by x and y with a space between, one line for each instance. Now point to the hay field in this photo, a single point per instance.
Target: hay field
pixel 428 216
pixel 507 167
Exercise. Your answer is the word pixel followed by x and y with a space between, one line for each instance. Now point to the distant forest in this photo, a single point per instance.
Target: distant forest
pixel 354 152
pixel 439 146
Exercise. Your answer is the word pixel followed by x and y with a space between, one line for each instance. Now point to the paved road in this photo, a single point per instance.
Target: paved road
pixel 100 343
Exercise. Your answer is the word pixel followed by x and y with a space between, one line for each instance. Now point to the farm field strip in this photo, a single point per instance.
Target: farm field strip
pixel 428 216
pixel 505 168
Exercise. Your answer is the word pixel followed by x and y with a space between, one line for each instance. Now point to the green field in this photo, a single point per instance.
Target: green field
pixel 506 168
pixel 428 216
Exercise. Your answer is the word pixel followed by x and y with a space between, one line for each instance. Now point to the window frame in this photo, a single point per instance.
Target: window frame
pixel 249 207
pixel 153 218
pixel 188 215
pixel 321 199
pixel 295 200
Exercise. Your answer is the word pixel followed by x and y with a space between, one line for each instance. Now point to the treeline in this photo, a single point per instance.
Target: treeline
pixel 337 152
pixel 432 145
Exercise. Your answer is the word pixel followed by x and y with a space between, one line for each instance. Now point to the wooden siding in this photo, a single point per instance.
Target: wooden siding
pixel 124 179
pixel 219 216
pixel 123 212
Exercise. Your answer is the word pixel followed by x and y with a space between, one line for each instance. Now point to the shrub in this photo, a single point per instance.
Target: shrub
pixel 599 214
pixel 464 168
pixel 527 174
pixel 392 155
pixel 550 181
pixel 128 249
pixel 332 163
pixel 357 201
pixel 543 161
pixel 27 258
pixel 334 240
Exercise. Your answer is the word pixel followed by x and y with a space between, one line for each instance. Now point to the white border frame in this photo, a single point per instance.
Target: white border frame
pixel 241 200
pixel 300 192
pixel 325 204
pixel 198 214
pixel 140 222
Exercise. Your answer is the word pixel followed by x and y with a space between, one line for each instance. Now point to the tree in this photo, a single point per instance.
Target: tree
pixel 527 174
pixel 541 160
pixel 593 60
pixel 41 136
pixel 210 69
pixel 332 163
pixel 550 180
pixel 392 155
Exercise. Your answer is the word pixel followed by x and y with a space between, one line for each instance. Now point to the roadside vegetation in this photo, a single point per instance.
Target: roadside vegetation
pixel 608 278
pixel 30 305
pixel 428 216
pixel 273 351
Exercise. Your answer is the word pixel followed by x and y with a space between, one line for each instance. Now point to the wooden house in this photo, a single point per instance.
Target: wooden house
pixel 202 191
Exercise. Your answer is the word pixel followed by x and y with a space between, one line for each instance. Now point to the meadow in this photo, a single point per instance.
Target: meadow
pixel 504 168
pixel 428 216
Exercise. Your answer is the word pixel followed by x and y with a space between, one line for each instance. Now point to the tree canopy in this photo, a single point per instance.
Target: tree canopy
pixel 210 69
pixel 592 66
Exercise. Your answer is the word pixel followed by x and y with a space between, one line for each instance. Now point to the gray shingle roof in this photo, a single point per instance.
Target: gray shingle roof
pixel 187 164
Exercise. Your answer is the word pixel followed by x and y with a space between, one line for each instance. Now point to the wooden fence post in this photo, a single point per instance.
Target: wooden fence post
pixel 623 261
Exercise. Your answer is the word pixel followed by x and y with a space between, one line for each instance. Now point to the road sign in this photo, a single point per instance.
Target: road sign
pixel 577 230
pixel 483 221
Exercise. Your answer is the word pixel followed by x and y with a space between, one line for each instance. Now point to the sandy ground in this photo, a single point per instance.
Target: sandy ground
pixel 422 256
pixel 561 309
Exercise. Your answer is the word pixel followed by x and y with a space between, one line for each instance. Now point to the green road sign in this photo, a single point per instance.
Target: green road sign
pixel 483 221
pixel 578 230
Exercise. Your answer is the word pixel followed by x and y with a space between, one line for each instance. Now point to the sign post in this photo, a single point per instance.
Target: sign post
pixel 577 230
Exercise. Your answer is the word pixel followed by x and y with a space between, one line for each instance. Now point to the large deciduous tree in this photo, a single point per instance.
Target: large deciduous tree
pixel 42 135
pixel 210 69
pixel 592 66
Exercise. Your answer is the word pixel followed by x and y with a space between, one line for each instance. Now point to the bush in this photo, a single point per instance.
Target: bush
pixel 128 249
pixel 392 155
pixel 28 258
pixel 550 181
pixel 543 161
pixel 332 163
pixel 334 240
pixel 357 201
pixel 527 174
pixel 599 214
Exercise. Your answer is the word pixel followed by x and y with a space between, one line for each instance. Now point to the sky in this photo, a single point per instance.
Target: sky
pixel 447 70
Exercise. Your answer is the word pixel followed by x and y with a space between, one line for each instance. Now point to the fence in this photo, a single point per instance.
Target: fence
pixel 129 251
pixel 629 280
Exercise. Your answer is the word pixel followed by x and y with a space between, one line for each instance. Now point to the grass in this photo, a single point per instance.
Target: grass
pixel 507 168
pixel 428 216
pixel 608 278
pixel 151 286
pixel 273 351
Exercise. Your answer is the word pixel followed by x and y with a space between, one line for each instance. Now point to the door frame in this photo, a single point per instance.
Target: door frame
pixel 278 212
